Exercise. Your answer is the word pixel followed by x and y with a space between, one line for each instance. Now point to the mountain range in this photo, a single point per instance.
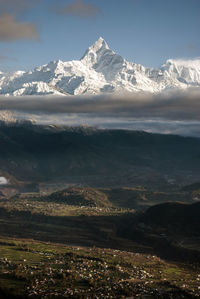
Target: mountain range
pixel 97 158
pixel 100 70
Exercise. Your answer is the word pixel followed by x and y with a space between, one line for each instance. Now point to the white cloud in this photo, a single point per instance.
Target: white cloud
pixel 3 181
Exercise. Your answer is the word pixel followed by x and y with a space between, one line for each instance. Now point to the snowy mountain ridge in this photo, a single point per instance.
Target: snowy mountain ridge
pixel 100 70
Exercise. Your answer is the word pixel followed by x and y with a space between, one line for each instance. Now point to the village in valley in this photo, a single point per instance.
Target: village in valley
pixel 31 269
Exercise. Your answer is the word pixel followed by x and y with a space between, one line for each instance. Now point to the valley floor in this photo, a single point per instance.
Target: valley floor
pixel 98 243
pixel 32 269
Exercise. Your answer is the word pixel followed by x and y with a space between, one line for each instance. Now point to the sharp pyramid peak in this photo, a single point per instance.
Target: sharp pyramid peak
pixel 99 46
pixel 100 43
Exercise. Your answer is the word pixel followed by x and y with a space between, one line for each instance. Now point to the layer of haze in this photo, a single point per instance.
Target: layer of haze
pixel 172 112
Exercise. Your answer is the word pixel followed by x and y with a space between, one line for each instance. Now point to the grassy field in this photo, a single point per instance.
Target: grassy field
pixel 62 223
pixel 61 209
pixel 45 270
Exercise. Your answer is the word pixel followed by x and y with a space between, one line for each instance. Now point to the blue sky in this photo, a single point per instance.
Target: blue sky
pixel 144 31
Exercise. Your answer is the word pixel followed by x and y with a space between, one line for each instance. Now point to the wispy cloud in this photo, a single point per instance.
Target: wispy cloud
pixel 5 57
pixel 11 29
pixel 80 9
pixel 193 47
pixel 16 6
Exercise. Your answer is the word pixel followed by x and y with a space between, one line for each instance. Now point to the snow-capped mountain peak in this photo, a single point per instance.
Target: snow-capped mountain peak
pixel 96 52
pixel 100 70
pixel 98 45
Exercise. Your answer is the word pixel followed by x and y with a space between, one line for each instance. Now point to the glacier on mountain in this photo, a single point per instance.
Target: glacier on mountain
pixel 100 70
